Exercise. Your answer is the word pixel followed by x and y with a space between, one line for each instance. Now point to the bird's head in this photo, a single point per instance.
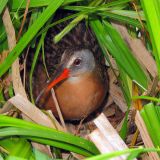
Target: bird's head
pixel 74 63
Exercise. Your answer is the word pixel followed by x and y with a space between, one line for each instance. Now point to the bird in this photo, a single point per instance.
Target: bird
pixel 78 75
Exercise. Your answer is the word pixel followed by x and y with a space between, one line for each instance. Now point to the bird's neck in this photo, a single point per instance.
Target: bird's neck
pixel 80 77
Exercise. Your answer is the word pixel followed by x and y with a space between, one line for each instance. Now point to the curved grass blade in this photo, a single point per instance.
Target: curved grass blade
pixel 121 19
pixel 53 139
pixel 61 145
pixel 148 125
pixel 129 14
pixel 14 158
pixel 109 39
pixel 37 52
pixel 29 35
pixel 2 5
pixel 69 27
pixel 152 13
pixel 108 156
pixel 74 22
pixel 41 156
pixel 153 120
pixel 21 127
pixel 23 148
pixel 97 7
pixel 154 99
pixel 15 4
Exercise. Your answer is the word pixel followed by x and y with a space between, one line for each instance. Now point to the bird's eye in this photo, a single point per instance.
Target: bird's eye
pixel 77 61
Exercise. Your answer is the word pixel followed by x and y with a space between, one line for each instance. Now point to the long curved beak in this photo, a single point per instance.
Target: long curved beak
pixel 60 74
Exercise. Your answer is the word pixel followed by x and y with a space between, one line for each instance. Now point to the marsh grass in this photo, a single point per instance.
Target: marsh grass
pixel 100 15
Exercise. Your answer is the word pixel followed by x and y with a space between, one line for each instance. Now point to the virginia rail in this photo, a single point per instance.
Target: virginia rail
pixel 80 80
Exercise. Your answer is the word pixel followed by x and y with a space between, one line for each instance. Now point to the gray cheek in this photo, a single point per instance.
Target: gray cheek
pixel 76 71
pixel 83 68
pixel 90 66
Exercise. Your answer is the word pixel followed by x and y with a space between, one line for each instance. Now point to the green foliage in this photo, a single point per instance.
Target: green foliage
pixel 29 35
pixel 19 147
pixel 99 14
pixel 151 112
pixel 3 38
pixel 109 39
pixel 41 156
pixel 152 121
pixel 12 126
pixel 15 4
pixel 152 13
pixel 2 5
pixel 132 154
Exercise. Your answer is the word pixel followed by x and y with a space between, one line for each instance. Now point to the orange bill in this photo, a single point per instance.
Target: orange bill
pixel 62 76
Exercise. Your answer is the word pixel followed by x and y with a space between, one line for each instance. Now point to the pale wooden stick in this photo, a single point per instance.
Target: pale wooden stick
pixel 106 137
pixel 27 107
pixel 58 109
pixel 97 137
pixel 17 84
pixel 54 120
pixel 145 136
pixel 109 132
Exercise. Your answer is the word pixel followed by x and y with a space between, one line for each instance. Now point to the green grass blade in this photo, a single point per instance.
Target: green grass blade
pixel 124 16
pixel 61 145
pixel 124 129
pixel 148 126
pixel 2 5
pixel 153 119
pixel 129 14
pixel 109 39
pixel 108 156
pixel 3 37
pixel 72 24
pixel 23 148
pixel 158 112
pixel 41 156
pixel 96 7
pixel 34 64
pixel 121 19
pixel 151 10
pixel 15 4
pixel 71 143
pixel 29 35
pixel 154 99
pixel 126 86
pixel 134 69
pixel 58 22
pixel 20 127
pixel 14 158
pixel 2 98
pixel 1 158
